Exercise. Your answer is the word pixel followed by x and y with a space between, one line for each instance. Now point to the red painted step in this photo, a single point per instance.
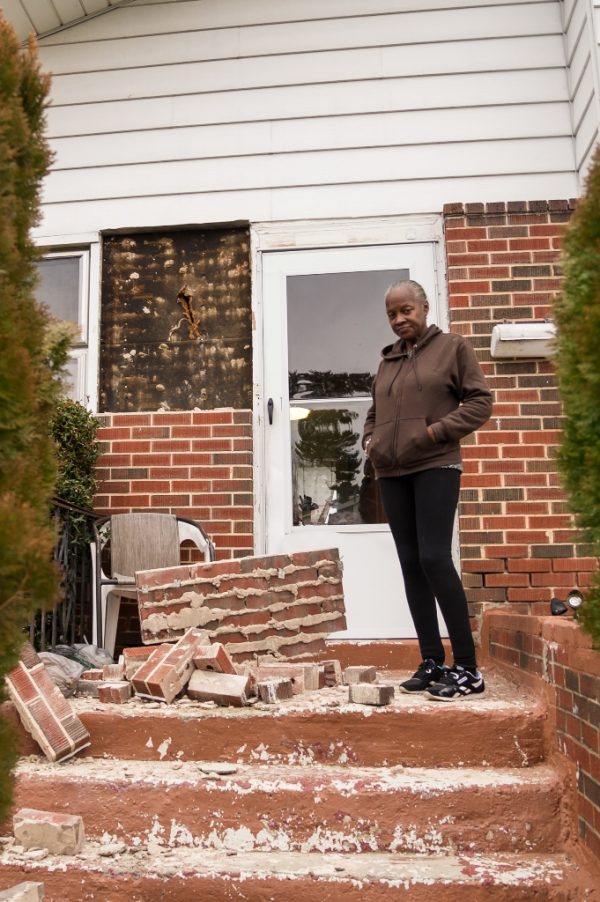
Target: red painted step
pixel 309 809
pixel 503 728
pixel 184 875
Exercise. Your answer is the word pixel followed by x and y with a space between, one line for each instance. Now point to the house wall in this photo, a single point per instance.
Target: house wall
pixel 174 113
pixel 203 111
pixel 518 541
pixel 580 19
pixel 195 464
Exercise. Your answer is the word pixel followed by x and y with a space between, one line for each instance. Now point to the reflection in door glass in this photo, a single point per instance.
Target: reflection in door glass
pixel 331 481
pixel 336 330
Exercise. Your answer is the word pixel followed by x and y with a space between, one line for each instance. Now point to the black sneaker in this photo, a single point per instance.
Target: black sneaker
pixel 456 682
pixel 427 673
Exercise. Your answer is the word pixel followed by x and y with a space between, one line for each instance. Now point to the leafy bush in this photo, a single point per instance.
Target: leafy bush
pixel 27 387
pixel 74 430
pixel 577 313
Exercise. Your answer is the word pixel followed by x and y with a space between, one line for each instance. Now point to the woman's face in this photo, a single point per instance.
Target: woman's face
pixel 407 315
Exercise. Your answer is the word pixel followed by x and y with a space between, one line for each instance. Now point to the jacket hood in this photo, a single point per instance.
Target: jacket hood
pixel 401 349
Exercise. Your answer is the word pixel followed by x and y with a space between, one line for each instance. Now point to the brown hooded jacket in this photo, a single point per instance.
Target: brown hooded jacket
pixel 438 383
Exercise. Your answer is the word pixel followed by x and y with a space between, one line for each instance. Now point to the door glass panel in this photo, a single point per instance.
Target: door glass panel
pixel 336 330
pixel 329 483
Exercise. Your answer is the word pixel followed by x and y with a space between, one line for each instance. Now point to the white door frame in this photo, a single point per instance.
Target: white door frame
pixel 313 235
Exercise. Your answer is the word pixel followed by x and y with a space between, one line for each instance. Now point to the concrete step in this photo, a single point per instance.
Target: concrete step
pixel 180 875
pixel 502 728
pixel 305 809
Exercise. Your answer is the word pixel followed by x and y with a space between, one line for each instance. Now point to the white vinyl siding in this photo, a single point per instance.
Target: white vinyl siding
pixel 581 48
pixel 181 111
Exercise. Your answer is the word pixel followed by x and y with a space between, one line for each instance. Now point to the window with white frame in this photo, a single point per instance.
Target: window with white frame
pixel 63 286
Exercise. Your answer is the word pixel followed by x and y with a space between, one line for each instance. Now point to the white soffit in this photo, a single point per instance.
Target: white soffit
pixel 43 17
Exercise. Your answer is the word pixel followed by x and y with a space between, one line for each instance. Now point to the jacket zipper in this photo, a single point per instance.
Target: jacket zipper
pixel 410 356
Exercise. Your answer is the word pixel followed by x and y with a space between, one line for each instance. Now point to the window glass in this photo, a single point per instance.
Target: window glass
pixel 59 286
pixel 62 287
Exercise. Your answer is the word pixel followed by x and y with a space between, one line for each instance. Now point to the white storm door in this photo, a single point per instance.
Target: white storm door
pixel 324 326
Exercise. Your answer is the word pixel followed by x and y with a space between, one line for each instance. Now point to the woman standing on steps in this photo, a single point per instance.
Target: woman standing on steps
pixel 429 392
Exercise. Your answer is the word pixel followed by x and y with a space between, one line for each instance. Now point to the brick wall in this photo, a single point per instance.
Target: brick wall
pixel 557 657
pixel 196 465
pixel 283 604
pixel 517 538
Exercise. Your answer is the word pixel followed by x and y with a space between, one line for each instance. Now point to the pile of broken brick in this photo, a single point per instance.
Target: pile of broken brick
pixel 202 670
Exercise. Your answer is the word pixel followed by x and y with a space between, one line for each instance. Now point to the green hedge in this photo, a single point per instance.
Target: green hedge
pixel 577 313
pixel 28 389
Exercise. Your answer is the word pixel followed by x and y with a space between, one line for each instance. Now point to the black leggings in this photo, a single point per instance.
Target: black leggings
pixel 420 509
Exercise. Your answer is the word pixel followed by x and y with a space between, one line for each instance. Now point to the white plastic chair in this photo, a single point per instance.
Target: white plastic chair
pixel 138 541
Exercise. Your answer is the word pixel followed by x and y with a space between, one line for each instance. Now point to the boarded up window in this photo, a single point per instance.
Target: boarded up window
pixel 176 321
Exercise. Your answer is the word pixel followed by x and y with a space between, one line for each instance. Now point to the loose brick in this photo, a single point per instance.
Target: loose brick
pixel 371 694
pixel 61 834
pixel 135 657
pixel 88 688
pixel 113 672
pixel 45 713
pixel 94 674
pixel 358 674
pixel 164 675
pixel 29 657
pixel 28 891
pixel 272 691
pixel 330 673
pixel 213 657
pixel 222 688
pixel 116 693
pixel 304 677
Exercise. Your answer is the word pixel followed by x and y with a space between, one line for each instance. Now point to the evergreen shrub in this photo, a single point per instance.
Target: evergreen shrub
pixel 577 314
pixel 28 389
pixel 74 431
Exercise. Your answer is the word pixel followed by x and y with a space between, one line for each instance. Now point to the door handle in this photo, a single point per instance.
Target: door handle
pixel 270 406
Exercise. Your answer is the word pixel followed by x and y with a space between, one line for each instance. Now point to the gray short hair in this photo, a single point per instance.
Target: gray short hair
pixel 418 290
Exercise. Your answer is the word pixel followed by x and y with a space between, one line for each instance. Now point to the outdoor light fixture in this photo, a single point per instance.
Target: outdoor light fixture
pixel 528 339
pixel 557 606
pixel 574 601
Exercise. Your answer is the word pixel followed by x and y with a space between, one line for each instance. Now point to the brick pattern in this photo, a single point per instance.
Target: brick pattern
pixel 169 669
pixel 518 543
pixel 116 693
pixel 284 604
pixel 213 657
pixel 195 464
pixel 556 651
pixel 45 713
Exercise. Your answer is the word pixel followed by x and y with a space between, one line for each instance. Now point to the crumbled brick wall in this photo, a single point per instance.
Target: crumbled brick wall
pixel 194 464
pixel 283 604
pixel 558 652
pixel 517 538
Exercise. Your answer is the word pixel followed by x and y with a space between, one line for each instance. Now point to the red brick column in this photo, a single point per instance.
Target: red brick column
pixel 194 464
pixel 555 657
pixel 518 542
